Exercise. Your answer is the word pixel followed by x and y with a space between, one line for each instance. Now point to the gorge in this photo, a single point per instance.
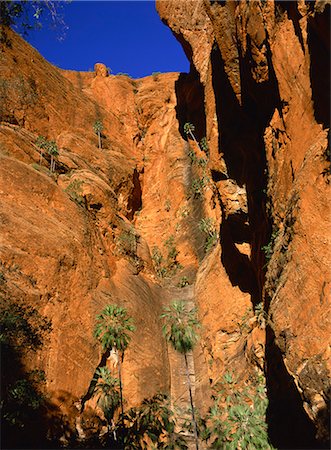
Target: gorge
pixel 233 218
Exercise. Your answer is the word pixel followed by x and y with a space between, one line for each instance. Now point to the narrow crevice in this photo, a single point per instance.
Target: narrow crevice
pixel 241 143
pixel 190 108
pixel 135 198
pixel 318 31
pixel 288 424
pixel 190 104
pixel 291 8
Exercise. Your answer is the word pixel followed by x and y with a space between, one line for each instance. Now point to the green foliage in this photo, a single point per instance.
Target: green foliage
pixel 189 128
pixel 166 267
pixel 74 190
pixel 204 145
pixel 269 248
pixel 207 226
pixel 238 416
pixel 183 282
pixel 107 392
pixel 113 327
pixel 202 162
pixel 151 425
pixel 172 251
pixel 192 156
pixel 22 398
pixel 22 330
pixel 26 15
pixel 198 185
pixel 261 315
pixel 98 126
pixel 22 326
pixel 49 147
pixel 180 326
pixel 127 242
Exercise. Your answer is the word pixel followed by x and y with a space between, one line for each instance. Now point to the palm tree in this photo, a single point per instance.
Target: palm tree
pixel 98 127
pixel 180 330
pixel 152 425
pixel 52 150
pixel 42 143
pixel 112 328
pixel 106 389
pixel 188 129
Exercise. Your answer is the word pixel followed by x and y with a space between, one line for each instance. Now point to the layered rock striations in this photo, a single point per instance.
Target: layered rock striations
pixel 264 68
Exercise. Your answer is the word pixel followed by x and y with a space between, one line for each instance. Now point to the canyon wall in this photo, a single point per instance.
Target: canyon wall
pixel 264 68
pixel 124 223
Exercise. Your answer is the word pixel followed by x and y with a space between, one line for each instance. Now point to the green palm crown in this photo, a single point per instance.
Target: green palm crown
pixel 113 326
pixel 180 326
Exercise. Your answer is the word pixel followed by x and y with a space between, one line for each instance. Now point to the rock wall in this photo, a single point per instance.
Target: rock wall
pixel 92 233
pixel 264 68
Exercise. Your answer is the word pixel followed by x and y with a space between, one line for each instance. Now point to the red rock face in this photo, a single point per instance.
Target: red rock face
pixel 124 223
pixel 84 236
pixel 265 75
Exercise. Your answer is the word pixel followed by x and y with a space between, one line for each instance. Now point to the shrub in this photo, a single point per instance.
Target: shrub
pixel 74 190
pixel 269 248
pixel 152 425
pixel 198 185
pixel 204 146
pixel 183 282
pixel 127 242
pixel 207 226
pixel 49 147
pixel 238 415
pixel 166 267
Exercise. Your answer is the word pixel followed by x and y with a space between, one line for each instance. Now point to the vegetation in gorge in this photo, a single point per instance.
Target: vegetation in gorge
pixel 179 329
pixel 74 190
pixel 208 227
pixel 201 180
pixel 166 266
pixel 51 149
pixel 98 128
pixel 152 425
pixel 269 248
pixel 126 243
pixel 23 330
pixel 237 418
pixel 113 330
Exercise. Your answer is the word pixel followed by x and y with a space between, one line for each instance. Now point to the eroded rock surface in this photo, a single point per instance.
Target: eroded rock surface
pixel 124 224
pixel 263 67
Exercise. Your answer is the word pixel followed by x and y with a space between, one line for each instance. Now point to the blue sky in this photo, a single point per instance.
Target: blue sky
pixel 127 36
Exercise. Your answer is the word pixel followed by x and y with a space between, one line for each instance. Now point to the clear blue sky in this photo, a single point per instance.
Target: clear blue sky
pixel 127 36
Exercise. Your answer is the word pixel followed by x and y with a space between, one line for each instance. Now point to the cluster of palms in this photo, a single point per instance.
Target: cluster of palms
pixel 50 148
pixel 153 421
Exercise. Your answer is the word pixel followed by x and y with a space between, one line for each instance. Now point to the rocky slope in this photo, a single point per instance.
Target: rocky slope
pixel 264 70
pixel 124 224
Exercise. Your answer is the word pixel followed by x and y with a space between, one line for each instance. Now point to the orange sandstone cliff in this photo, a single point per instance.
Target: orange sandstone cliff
pixel 92 232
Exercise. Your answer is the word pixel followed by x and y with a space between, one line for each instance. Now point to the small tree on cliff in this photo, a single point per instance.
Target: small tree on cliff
pixel 188 129
pixel 106 389
pixel 112 330
pixel 53 151
pixel 180 330
pixel 98 127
